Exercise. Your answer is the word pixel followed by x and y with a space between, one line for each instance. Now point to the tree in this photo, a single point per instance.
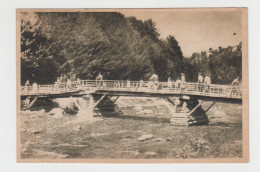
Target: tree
pixel 39 58
pixel 174 54
pixel 225 64
pixel 87 43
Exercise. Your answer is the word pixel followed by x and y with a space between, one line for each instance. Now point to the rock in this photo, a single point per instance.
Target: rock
pixel 70 145
pixel 97 115
pixel 52 155
pixel 138 108
pixel 145 137
pixel 136 153
pixel 56 112
pixel 172 121
pixel 219 113
pixel 37 131
pixel 27 111
pixel 159 140
pixel 77 127
pixel 202 141
pixel 206 147
pixel 42 111
pixel 146 111
pixel 132 153
pixel 126 139
pixel 169 139
pixel 150 153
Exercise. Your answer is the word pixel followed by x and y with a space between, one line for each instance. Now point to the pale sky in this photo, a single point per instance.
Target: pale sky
pixel 194 30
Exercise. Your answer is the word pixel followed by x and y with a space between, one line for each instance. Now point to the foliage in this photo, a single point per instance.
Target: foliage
pixel 120 48
pixel 225 64
pixel 39 59
pixel 222 64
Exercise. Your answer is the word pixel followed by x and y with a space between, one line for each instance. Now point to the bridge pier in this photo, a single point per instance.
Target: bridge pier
pixel 90 105
pixel 104 105
pixel 186 111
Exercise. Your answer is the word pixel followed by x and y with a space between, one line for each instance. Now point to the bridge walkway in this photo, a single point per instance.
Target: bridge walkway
pixel 133 87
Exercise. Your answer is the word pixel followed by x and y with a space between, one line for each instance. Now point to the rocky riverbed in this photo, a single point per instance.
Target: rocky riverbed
pixel 141 130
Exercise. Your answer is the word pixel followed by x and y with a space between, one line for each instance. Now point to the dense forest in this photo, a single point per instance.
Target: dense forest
pixel 117 46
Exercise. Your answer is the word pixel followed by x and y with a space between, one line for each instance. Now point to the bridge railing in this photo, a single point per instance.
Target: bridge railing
pixel 142 86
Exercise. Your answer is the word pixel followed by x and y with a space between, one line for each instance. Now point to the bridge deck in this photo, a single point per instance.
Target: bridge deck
pixel 133 88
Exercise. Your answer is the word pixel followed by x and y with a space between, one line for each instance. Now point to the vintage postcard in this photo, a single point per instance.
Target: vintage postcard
pixel 132 85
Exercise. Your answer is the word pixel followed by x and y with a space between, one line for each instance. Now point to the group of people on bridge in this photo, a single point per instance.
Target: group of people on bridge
pixel 180 82
pixel 67 82
pixel 203 83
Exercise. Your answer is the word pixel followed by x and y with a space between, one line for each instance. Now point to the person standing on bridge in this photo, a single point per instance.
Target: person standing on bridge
pixel 99 80
pixel 128 84
pixel 154 78
pixel 64 80
pixel 117 84
pixel 200 82
pixel 169 82
pixel 78 83
pixel 183 82
pixel 73 80
pixel 35 87
pixel 141 84
pixel 69 84
pixel 57 84
pixel 60 78
pixel 27 86
pixel 178 83
pixel 207 82
pixel 183 79
pixel 235 84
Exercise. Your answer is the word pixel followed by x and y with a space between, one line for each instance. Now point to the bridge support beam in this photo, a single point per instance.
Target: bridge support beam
pixel 29 102
pixel 104 105
pixel 87 105
pixel 32 102
pixel 187 112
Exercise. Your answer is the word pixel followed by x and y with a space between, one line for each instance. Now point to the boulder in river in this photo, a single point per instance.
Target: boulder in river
pixel 150 154
pixel 146 111
pixel 42 111
pixel 159 140
pixel 138 108
pixel 56 112
pixel 145 137
pixel 77 127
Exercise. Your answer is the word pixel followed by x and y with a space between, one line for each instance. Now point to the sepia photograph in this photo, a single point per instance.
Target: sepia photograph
pixel 132 85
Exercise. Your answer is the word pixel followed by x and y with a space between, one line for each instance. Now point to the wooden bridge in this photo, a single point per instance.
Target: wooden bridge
pixel 135 88
pixel 103 91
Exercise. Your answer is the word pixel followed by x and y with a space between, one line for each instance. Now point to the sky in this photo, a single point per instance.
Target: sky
pixel 195 30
